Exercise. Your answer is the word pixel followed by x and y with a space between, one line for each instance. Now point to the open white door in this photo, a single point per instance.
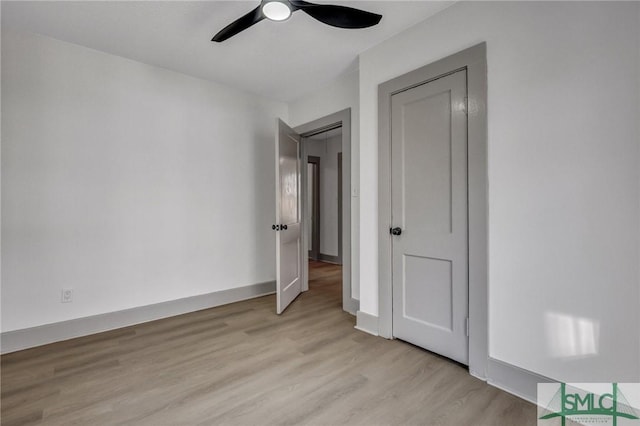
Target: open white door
pixel 288 214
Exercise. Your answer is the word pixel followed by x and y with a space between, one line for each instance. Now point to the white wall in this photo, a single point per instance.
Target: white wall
pixel 564 227
pixel 328 151
pixel 131 184
pixel 341 94
pixel 638 130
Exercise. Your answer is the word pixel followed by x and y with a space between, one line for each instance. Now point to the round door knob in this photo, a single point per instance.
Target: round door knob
pixel 396 230
pixel 284 227
pixel 273 227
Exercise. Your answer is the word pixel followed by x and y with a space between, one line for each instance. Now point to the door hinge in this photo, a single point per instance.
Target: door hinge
pixel 466 326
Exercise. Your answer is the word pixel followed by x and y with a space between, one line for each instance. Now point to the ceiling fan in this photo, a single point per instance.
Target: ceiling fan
pixel 280 10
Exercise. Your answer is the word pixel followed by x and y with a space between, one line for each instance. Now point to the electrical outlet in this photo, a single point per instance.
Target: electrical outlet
pixel 67 295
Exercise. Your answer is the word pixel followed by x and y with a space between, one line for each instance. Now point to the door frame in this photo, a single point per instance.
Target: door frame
pixel 329 122
pixel 314 250
pixel 473 60
pixel 340 204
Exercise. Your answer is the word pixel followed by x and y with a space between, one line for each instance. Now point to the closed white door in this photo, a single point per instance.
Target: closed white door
pixel 288 215
pixel 429 213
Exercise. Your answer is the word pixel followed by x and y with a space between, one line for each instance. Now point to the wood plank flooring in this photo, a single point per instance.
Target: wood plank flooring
pixel 241 364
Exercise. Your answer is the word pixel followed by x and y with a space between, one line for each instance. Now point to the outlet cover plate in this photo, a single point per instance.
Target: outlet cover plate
pixel 66 295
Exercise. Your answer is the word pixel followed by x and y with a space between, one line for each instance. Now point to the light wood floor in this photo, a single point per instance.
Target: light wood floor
pixel 242 364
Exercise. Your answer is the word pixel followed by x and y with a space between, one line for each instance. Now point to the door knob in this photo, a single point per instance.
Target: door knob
pixel 283 227
pixel 396 231
pixel 275 227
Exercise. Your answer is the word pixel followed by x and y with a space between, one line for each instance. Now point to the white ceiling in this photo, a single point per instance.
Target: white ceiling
pixel 281 61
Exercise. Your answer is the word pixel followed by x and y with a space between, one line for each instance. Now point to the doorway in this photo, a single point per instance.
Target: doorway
pixel 329 139
pixel 324 207
pixel 435 253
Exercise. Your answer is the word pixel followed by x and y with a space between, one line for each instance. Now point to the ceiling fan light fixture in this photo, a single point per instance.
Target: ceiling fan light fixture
pixel 280 10
pixel 276 10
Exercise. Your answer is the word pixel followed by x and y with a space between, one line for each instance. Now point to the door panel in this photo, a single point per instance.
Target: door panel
pixel 428 301
pixel 429 203
pixel 288 237
pixel 289 178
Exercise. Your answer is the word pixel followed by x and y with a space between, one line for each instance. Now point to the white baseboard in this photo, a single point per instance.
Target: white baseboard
pixel 367 323
pixel 352 305
pixel 17 340
pixel 517 381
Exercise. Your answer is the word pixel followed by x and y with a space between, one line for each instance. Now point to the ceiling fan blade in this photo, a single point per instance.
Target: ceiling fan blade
pixel 240 24
pixel 338 16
